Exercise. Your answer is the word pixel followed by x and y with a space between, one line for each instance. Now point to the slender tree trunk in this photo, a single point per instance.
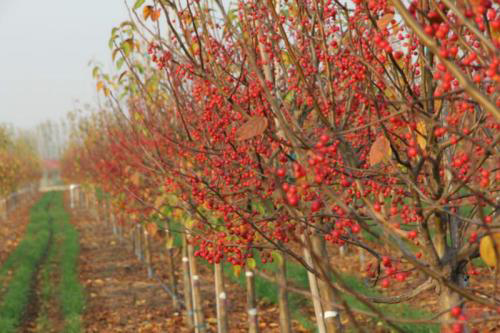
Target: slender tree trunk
pixel 330 314
pixel 313 286
pixel 133 238
pixel 188 300
pixel 171 267
pixel 199 320
pixel 220 296
pixel 253 324
pixel 140 254
pixel 3 208
pixel 285 322
pixel 147 254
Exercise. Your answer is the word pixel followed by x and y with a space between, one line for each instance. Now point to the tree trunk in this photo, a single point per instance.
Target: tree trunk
pixel 199 320
pixel 447 300
pixel 330 314
pixel 313 285
pixel 3 209
pixel 147 254
pixel 171 268
pixel 220 296
pixel 253 325
pixel 188 300
pixel 138 234
pixel 285 322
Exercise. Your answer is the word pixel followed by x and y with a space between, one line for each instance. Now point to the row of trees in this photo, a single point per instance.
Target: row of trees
pixel 296 127
pixel 19 165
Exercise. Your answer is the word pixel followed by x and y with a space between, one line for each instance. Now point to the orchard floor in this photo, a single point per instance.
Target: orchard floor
pixel 121 297
pixel 13 227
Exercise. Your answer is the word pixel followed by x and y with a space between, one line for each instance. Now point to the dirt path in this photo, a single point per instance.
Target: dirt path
pixel 120 298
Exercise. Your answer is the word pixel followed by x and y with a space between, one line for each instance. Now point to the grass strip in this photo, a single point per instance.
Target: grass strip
pixel 50 234
pixel 23 263
pixel 70 292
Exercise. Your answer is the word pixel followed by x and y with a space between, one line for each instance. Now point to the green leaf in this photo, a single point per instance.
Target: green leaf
pixel 119 63
pixel 127 46
pixel 140 68
pixel 95 72
pixel 138 4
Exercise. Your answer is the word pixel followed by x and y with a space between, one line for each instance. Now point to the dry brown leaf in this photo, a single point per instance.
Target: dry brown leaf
pixel 256 125
pixel 380 150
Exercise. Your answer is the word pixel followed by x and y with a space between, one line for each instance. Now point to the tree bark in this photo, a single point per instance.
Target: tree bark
pixel 147 254
pixel 253 325
pixel 220 296
pixel 199 320
pixel 171 268
pixel 330 314
pixel 313 285
pixel 285 322
pixel 188 299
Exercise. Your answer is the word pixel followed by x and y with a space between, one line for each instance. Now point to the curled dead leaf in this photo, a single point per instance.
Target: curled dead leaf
pixel 256 125
pixel 380 151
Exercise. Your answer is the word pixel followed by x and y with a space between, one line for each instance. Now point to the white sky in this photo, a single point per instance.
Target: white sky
pixel 45 47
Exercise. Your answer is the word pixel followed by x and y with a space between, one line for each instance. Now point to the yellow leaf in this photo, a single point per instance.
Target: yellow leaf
pixel 251 263
pixel 100 85
pixel 421 135
pixel 487 249
pixel 380 151
pixel 169 244
pixel 237 270
pixel 189 223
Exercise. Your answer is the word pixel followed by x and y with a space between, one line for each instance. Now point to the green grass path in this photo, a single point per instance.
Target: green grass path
pixel 45 258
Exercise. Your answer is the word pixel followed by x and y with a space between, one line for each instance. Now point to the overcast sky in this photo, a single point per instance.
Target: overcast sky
pixel 45 47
